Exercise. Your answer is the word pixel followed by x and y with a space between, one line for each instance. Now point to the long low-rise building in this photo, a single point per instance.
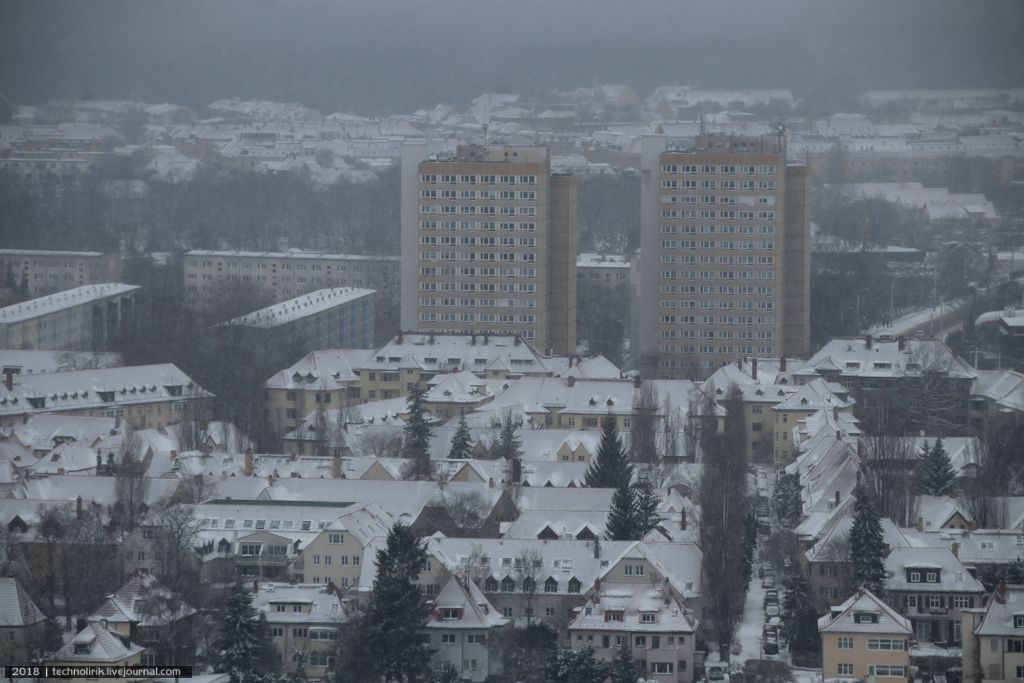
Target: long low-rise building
pixel 290 273
pixel 142 395
pixel 91 317
pixel 325 319
pixel 39 272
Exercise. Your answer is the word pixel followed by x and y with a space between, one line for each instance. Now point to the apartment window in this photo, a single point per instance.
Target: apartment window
pixel 885 670
pixel 844 669
pixel 476 639
pixel 885 644
pixel 661 667
pixel 962 601
pixel 448 638
pixel 335 539
pixel 845 644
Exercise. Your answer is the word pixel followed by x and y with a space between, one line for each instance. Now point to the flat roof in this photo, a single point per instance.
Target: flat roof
pixel 293 254
pixel 301 306
pixel 47 252
pixel 70 298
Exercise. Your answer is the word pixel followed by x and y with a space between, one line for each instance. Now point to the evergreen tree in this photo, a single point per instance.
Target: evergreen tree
pixel 529 651
pixel 645 508
pixel 1014 573
pixel 460 449
pixel 800 615
pixel 509 446
pixel 936 476
pixel 624 668
pixel 610 469
pixel 387 640
pixel 577 666
pixel 417 433
pixel 867 546
pixel 621 517
pixel 244 647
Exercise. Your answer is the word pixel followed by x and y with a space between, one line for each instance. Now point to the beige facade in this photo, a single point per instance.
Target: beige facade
pixel 291 273
pixel 44 272
pixel 334 556
pixel 725 255
pixel 302 618
pixel 87 318
pixel 489 245
pixel 849 654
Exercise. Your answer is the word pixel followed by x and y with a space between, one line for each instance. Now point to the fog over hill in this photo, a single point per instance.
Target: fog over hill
pixel 399 55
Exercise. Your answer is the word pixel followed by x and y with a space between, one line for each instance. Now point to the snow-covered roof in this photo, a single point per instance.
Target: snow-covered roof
pixel 632 601
pixel 325 370
pixel 854 358
pixel 301 306
pixel 85 389
pixel 594 260
pixel 320 605
pixel 566 524
pixel 935 511
pixel 462 597
pixel 103 647
pixel 16 607
pixel 142 601
pixel 448 352
pixel 842 619
pixel 953 576
pixel 839 531
pixel 1002 612
pixel 69 298
pixel 95 490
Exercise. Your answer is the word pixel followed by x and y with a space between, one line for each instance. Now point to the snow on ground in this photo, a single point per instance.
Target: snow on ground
pixel 807 675
pixel 753 621
pixel 905 324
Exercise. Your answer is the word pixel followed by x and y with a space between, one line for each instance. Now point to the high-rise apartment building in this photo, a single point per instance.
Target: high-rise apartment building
pixel 489 244
pixel 724 266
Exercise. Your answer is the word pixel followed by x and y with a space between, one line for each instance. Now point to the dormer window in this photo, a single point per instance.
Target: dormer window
pixel 1018 620
pixel 81 648
pixel 613 615
pixel 451 613
pixel 915 577
pixel 865 618
pixel 932 577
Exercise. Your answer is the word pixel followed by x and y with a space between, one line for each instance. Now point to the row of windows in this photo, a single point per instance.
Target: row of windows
pixel 742 290
pixel 507 287
pixel 470 209
pixel 707 349
pixel 428 317
pixel 450 271
pixel 430 224
pixel 504 195
pixel 712 274
pixel 473 179
pixel 451 240
pixel 723 169
pixel 764 335
pixel 484 303
pixel 670 229
pixel 477 256
pixel 671 184
pixel 763 245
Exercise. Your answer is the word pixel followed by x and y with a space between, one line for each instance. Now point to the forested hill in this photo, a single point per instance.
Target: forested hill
pixel 390 56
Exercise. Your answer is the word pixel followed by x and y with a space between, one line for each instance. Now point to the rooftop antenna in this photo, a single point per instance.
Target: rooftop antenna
pixel 703 126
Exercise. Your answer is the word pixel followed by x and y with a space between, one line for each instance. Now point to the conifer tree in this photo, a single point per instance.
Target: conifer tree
pixel 244 645
pixel 577 666
pixel 460 449
pixel 645 508
pixel 624 668
pixel 417 433
pixel 621 517
pixel 800 615
pixel 610 469
pixel 387 640
pixel 867 545
pixel 936 476
pixel 509 446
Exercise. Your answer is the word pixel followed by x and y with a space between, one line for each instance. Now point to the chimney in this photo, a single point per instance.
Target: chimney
pixel 839 435
pixel 597 548
pixel 753 368
pixel 919 525
pixel 255 585
pixel 9 372
pixel 955 549
pixel 490 482
pixel 867 342
pixel 837 498
pixel 682 519
pixel 570 381
pixel 835 413
pixel 637 381
pixel 902 343
pixel 247 467
pixel 336 465
pixel 782 364
pixel 78 508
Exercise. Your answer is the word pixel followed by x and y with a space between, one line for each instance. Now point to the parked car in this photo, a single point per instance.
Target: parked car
pixel 771 610
pixel 771 595
pixel 768 581
pixel 770 646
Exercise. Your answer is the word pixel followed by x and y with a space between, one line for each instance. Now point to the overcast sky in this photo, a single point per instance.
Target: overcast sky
pixel 399 55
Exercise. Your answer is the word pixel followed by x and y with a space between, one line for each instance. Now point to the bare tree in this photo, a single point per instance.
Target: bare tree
pixel 889 465
pixel 528 565
pixel 643 434
pixel 467 510
pixel 837 554
pixel 131 486
pixel 176 566
pixel 983 495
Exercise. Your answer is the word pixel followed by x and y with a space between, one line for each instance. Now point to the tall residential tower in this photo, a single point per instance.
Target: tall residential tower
pixel 724 266
pixel 489 244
